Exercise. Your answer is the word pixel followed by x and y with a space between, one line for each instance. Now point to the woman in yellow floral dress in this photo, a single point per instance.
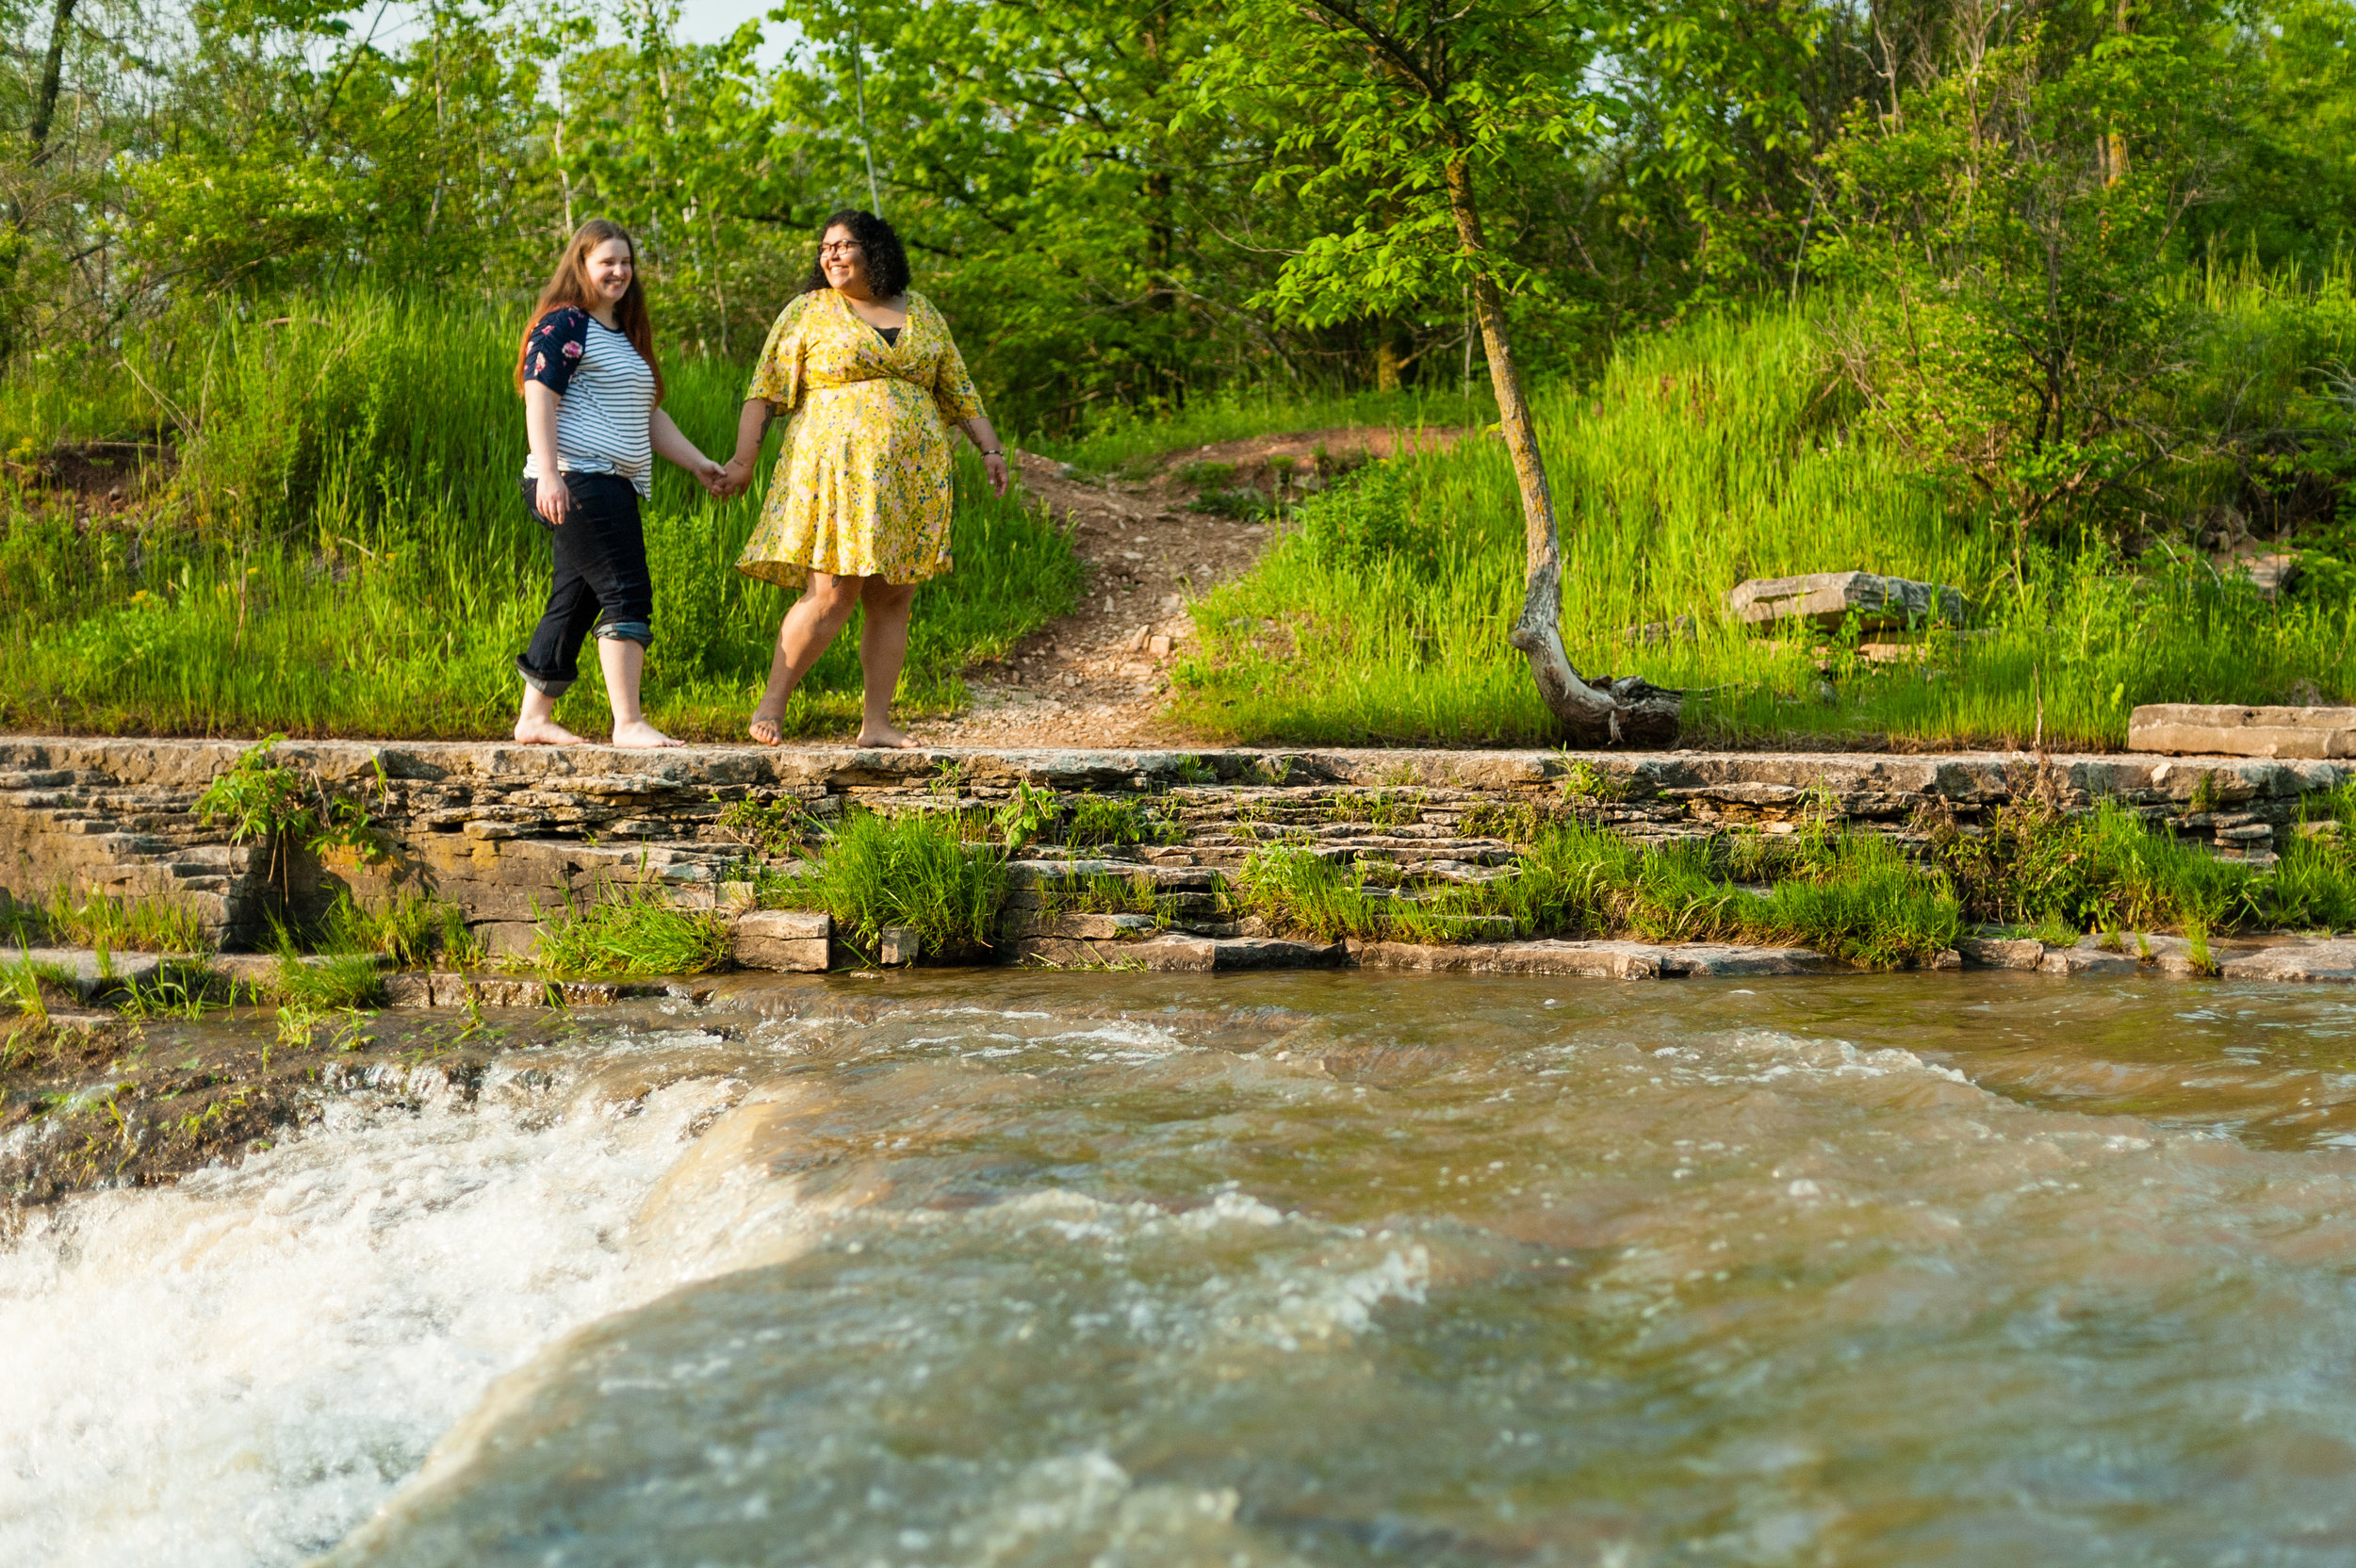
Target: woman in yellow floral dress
pixel 859 505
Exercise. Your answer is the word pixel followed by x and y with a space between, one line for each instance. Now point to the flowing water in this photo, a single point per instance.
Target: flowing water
pixel 1324 1269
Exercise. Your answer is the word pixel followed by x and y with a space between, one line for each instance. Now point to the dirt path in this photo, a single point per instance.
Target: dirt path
pixel 1098 677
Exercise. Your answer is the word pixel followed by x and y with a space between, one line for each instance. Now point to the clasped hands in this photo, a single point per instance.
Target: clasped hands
pixel 726 479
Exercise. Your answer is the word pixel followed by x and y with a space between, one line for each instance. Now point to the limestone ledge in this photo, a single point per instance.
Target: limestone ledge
pixel 511 833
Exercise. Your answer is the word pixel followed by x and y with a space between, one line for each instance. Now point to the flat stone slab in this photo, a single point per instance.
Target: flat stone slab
pixel 2311 962
pixel 791 940
pixel 1826 599
pixel 2184 728
pixel 1594 960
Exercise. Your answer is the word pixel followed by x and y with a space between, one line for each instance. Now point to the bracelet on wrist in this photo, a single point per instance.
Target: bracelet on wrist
pixel 993 452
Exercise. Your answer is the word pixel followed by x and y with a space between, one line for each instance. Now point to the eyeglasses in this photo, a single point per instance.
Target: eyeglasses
pixel 839 248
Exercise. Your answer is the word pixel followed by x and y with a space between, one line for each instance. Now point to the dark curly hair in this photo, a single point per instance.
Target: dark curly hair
pixel 879 247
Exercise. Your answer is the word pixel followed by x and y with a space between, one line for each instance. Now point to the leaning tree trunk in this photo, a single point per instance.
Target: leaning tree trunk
pixel 1604 709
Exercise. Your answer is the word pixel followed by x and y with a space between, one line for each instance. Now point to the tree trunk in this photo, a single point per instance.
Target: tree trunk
pixel 52 77
pixel 1625 709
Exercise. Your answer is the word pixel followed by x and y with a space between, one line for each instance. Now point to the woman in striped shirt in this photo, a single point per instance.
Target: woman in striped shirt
pixel 591 397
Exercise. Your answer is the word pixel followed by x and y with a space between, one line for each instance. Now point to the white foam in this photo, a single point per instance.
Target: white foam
pixel 237 1371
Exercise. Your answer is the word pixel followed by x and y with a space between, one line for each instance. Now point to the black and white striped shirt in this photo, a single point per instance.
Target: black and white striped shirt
pixel 605 392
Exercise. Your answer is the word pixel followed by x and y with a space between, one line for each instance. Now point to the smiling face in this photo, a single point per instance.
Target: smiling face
pixel 610 270
pixel 844 262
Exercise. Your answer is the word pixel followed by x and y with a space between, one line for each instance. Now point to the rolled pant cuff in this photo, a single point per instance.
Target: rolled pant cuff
pixel 547 686
pixel 626 631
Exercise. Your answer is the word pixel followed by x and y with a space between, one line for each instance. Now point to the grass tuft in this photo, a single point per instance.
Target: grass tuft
pixel 914 870
pixel 634 930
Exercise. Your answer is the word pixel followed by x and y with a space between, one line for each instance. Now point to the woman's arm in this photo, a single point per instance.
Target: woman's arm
pixel 752 424
pixel 669 443
pixel 550 493
pixel 978 431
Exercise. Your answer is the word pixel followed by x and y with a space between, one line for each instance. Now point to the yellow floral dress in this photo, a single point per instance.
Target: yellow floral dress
pixel 864 485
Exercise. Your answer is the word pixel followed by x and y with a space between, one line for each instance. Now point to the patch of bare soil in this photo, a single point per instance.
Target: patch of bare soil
pixel 97 478
pixel 1098 677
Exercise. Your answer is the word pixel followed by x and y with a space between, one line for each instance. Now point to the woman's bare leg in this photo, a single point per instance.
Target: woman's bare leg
pixel 536 725
pixel 624 663
pixel 810 629
pixel 883 648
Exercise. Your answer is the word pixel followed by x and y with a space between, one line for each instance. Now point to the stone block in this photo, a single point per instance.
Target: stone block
pixel 509 939
pixel 2316 734
pixel 792 941
pixel 2088 958
pixel 2024 952
pixel 898 945
pixel 2308 962
pixel 1826 599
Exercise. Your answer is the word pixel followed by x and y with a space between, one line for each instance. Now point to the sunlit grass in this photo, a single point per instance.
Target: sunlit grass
pixel 345 550
pixel 1702 458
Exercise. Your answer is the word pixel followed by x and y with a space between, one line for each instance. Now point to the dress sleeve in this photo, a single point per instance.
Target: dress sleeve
pixel 953 388
pixel 778 379
pixel 554 345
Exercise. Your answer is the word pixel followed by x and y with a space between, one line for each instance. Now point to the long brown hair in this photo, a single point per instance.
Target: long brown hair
pixel 569 286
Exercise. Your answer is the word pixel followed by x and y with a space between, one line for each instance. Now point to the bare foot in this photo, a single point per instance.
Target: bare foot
pixel 887 739
pixel 767 729
pixel 641 734
pixel 545 732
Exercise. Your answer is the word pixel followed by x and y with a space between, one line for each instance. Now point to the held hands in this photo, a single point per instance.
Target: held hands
pixel 712 476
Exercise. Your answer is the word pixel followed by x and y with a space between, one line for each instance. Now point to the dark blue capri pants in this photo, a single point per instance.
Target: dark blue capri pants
pixel 601 583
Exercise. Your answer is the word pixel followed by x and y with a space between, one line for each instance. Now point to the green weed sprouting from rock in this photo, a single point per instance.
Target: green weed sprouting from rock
pixel 265 800
pixel 912 871
pixel 633 930
pixel 775 827
pixel 1026 816
pixel 1102 820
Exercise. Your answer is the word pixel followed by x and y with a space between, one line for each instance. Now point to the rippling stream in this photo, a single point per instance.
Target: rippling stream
pixel 1004 1268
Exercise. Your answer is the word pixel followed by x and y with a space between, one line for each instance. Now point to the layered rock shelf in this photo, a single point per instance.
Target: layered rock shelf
pixel 510 834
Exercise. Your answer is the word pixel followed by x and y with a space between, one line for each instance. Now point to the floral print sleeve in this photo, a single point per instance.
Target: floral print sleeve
pixel 953 388
pixel 554 345
pixel 778 379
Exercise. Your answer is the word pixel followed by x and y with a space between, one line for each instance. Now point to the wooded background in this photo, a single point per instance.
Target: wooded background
pixel 1125 203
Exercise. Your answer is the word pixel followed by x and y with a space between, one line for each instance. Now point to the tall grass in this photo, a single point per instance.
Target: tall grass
pixel 1859 900
pixel 916 871
pixel 1712 454
pixel 343 548
pixel 1132 445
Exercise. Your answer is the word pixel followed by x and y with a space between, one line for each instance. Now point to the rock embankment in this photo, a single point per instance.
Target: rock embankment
pixel 510 833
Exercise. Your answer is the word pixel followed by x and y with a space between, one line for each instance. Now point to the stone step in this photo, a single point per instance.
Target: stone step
pixel 2218 730
pixel 91 978
pixel 1595 960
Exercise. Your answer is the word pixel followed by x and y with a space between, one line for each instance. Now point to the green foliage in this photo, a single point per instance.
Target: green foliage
pixel 1029 813
pixel 1115 820
pixel 1708 456
pixel 1856 898
pixel 1100 893
pixel 914 870
pixel 633 929
pixel 260 798
pixel 337 983
pixel 102 920
pixel 1365 521
pixel 774 828
pixel 408 928
pixel 2110 871
pixel 348 472
pixel 2008 243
